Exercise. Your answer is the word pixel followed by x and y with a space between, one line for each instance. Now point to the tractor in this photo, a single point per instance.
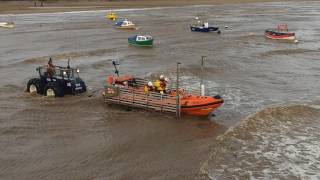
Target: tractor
pixel 56 82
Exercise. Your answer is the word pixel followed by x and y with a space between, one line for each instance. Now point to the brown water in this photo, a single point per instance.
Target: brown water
pixel 79 137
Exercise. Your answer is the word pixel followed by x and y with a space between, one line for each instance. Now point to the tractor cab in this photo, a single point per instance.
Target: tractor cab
pixel 58 73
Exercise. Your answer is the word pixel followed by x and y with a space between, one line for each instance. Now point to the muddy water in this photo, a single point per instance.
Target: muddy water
pixel 80 137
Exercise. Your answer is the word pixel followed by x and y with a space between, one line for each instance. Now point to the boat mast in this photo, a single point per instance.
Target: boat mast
pixel 177 92
pixel 202 88
pixel 115 67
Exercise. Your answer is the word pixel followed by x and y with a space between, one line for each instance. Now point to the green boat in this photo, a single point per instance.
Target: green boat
pixel 140 40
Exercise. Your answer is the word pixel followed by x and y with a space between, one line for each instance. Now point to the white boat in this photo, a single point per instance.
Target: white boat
pixel 125 24
pixel 7 24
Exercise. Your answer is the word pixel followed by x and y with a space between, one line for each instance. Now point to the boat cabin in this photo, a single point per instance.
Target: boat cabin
pixel 127 23
pixel 143 38
pixel 282 28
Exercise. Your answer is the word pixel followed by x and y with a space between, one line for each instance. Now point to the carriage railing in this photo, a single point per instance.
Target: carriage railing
pixel 136 97
pixel 192 90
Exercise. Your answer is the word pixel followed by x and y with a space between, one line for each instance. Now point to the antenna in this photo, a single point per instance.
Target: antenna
pixel 177 92
pixel 115 64
pixel 202 88
pixel 68 63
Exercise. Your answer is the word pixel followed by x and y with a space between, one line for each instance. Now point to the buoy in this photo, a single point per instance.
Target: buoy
pixel 226 27
pixel 196 18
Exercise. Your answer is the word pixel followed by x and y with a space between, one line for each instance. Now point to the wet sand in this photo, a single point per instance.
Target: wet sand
pixel 19 7
pixel 82 138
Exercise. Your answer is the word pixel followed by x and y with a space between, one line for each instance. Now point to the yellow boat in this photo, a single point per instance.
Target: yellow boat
pixel 7 24
pixel 112 16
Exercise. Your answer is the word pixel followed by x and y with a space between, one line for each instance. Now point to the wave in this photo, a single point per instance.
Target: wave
pixel 72 55
pixel 289 51
pixel 275 143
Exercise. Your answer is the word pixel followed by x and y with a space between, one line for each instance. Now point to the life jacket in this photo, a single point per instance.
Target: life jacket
pixel 148 88
pixel 160 85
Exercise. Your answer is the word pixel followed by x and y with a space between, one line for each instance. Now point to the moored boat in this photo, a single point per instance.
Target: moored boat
pixel 141 40
pixel 7 24
pixel 204 28
pixel 281 33
pixel 125 24
pixel 112 16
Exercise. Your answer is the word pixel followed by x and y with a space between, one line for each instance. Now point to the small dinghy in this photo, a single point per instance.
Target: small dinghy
pixel 204 27
pixel 112 16
pixel 125 24
pixel 7 24
pixel 281 33
pixel 141 40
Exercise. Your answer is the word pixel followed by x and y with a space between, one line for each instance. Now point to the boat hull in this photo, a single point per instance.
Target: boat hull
pixel 200 105
pixel 204 29
pixel 140 43
pixel 279 35
pixel 7 25
pixel 111 16
pixel 126 27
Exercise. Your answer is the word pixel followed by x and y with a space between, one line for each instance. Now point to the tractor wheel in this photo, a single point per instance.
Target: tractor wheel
pixel 53 90
pixel 35 86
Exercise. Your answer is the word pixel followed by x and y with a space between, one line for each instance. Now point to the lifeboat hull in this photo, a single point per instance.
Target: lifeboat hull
pixel 279 35
pixel 200 105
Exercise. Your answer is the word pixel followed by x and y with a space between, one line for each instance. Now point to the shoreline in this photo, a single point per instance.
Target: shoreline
pixel 23 7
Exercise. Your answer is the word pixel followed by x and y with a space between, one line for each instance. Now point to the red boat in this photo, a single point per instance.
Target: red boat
pixel 281 33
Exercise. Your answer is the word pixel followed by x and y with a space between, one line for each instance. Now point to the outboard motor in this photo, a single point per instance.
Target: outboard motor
pixel 217 96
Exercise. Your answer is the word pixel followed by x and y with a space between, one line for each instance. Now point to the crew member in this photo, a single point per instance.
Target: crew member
pixel 50 68
pixel 149 87
pixel 161 84
pixel 125 84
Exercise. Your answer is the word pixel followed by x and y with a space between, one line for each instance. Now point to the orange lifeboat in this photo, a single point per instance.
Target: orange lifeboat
pixel 191 104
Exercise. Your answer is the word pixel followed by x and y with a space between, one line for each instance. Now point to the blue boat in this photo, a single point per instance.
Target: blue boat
pixel 204 28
